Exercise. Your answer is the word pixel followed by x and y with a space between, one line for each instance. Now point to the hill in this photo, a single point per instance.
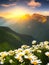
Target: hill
pixel 11 40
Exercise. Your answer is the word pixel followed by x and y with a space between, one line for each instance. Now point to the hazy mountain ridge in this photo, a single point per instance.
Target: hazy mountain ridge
pixel 37 26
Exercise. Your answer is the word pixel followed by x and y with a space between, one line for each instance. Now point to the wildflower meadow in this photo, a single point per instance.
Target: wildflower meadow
pixel 37 54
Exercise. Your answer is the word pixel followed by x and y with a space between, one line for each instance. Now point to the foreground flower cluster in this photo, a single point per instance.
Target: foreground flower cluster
pixel 38 54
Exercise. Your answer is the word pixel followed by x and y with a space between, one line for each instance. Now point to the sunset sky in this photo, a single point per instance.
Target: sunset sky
pixel 18 8
pixel 29 17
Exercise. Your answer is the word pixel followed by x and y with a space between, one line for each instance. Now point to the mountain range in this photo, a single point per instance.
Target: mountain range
pixel 35 25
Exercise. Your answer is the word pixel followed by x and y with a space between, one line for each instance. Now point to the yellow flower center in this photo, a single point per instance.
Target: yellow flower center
pixel 35 63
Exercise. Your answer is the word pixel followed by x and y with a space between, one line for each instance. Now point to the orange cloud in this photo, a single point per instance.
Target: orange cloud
pixel 32 3
pixel 8 5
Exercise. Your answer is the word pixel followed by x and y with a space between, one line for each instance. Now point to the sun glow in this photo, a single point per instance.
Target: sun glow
pixel 18 13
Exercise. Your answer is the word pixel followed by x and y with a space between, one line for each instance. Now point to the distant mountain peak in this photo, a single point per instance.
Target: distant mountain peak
pixel 39 17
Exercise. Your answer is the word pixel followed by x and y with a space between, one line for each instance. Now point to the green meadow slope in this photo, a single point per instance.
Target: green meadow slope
pixel 11 40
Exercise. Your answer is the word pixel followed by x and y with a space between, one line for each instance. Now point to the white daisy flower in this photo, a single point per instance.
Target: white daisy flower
pixel 47 54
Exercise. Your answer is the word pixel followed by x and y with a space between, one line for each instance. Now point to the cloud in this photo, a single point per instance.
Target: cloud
pixel 33 3
pixel 8 5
